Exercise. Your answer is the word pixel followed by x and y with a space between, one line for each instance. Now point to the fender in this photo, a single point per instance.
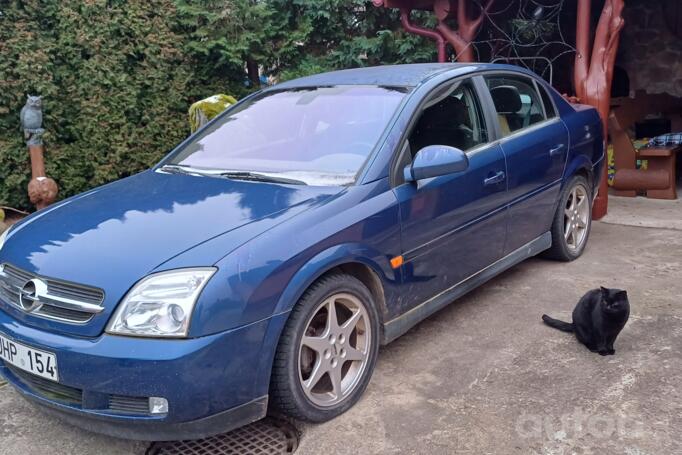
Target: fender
pixel 332 257
pixel 578 163
pixel 316 267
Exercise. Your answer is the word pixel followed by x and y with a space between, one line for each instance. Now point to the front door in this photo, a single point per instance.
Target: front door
pixel 535 142
pixel 453 225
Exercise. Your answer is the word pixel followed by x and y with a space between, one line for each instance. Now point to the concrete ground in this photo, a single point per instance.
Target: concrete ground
pixel 485 376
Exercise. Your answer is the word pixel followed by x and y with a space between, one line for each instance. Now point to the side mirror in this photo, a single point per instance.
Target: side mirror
pixel 434 161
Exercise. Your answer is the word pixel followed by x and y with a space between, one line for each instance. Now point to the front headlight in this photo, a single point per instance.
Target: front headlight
pixel 3 236
pixel 160 305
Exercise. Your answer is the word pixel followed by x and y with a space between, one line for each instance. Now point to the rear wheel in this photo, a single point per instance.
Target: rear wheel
pixel 572 221
pixel 327 351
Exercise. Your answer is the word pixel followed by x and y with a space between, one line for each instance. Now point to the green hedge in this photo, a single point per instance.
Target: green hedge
pixel 118 76
pixel 115 83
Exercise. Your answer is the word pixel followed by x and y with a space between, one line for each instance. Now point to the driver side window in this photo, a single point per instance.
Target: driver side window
pixel 454 119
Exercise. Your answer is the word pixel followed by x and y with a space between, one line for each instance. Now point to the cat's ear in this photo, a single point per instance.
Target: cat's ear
pixel 622 295
pixel 604 291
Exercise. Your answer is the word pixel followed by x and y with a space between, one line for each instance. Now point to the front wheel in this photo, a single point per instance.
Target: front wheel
pixel 572 221
pixel 327 351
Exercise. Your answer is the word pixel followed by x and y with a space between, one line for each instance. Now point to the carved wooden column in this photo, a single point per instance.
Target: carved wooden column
pixel 594 71
pixel 434 35
pixel 468 25
pixel 42 190
pixel 461 38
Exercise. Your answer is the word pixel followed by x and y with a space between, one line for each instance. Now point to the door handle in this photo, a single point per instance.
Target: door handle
pixel 558 150
pixel 497 178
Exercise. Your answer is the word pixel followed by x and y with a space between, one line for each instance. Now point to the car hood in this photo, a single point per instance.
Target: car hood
pixel 113 236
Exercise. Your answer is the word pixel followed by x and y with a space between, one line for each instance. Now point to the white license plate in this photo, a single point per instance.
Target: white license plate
pixel 40 363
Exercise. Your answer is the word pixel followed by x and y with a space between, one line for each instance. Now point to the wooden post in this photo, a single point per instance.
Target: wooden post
pixel 593 72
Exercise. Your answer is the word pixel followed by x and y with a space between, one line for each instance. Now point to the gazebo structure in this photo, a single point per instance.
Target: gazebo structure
pixel 595 53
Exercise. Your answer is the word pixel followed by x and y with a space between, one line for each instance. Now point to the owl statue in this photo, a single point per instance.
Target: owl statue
pixel 32 120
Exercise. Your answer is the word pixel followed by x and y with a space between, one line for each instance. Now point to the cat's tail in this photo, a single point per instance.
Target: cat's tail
pixel 557 324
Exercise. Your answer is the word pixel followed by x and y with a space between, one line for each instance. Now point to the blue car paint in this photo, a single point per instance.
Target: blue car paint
pixel 473 223
pixel 165 368
pixel 361 222
pixel 269 243
pixel 534 180
pixel 74 242
pixel 587 152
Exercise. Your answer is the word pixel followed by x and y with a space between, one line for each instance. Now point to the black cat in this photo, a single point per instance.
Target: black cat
pixel 598 318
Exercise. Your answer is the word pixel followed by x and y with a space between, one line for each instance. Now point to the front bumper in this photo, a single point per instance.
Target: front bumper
pixel 212 383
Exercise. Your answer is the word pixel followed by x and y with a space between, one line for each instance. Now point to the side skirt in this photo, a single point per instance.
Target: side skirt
pixel 401 324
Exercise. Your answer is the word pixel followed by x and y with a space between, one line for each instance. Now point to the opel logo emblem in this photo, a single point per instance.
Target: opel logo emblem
pixel 29 296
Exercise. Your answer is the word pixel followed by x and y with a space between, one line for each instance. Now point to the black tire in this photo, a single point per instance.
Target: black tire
pixel 560 250
pixel 286 391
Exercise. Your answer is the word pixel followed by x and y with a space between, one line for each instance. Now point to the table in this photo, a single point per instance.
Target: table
pixel 662 159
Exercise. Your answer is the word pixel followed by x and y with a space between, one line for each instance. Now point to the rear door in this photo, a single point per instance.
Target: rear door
pixel 535 142
pixel 453 225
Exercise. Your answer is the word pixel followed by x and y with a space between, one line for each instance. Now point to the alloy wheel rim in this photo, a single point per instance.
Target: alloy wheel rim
pixel 334 349
pixel 576 217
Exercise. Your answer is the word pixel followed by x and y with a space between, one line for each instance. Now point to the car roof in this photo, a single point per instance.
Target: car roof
pixel 389 75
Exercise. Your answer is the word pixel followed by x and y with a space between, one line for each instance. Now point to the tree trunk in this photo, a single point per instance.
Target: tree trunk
pixel 594 71
pixel 252 70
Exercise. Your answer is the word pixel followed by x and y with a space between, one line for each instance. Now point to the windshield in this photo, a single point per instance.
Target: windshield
pixel 318 136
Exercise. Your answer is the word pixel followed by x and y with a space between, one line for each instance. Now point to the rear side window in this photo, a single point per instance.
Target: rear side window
pixel 547 101
pixel 517 103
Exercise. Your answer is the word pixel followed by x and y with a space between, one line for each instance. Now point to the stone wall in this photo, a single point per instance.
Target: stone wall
pixel 649 51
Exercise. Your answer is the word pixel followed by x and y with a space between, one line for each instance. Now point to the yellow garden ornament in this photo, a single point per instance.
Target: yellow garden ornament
pixel 3 225
pixel 201 112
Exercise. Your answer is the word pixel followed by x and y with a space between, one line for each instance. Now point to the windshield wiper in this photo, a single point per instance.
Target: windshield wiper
pixel 260 177
pixel 181 169
pixel 235 175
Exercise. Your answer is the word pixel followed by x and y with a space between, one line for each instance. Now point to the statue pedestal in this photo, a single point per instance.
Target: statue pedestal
pixel 42 190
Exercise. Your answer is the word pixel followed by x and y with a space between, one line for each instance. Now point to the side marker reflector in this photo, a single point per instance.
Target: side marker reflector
pixel 397 262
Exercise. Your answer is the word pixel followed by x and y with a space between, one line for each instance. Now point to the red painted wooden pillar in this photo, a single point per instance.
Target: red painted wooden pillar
pixel 594 71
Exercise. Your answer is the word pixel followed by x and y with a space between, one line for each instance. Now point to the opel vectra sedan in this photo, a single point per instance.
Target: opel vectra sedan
pixel 263 261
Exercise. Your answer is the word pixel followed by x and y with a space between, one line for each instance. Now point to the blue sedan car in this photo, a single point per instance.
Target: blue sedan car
pixel 262 263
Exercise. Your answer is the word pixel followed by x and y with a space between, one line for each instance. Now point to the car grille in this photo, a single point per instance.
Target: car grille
pixel 49 389
pixel 67 302
pixel 129 405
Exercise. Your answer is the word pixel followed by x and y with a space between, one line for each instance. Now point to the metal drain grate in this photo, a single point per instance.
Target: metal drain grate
pixel 265 437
